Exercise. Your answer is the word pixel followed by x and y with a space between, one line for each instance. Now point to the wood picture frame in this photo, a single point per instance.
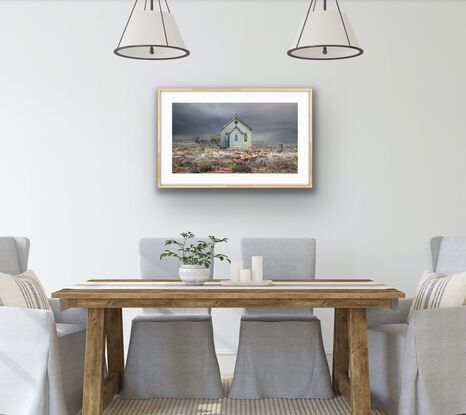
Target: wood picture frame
pixel 234 138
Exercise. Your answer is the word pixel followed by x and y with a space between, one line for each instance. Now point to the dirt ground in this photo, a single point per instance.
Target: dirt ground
pixel 274 158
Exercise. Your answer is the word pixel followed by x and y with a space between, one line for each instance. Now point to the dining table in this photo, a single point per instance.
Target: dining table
pixel 104 300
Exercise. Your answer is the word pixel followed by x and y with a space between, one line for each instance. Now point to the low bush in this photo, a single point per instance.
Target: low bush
pixel 241 167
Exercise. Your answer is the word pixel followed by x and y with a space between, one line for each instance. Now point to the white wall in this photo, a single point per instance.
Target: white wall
pixel 77 137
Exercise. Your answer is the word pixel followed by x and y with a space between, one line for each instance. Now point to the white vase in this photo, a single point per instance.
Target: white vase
pixel 194 274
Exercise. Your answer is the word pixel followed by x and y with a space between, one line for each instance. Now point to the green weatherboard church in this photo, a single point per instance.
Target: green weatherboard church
pixel 236 134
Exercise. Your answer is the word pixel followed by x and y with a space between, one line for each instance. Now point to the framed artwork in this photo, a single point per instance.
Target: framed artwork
pixel 235 138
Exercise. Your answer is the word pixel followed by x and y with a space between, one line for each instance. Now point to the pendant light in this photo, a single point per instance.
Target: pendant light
pixel 326 34
pixel 151 33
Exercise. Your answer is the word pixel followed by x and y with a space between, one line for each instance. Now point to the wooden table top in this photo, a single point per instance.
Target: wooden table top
pixel 334 293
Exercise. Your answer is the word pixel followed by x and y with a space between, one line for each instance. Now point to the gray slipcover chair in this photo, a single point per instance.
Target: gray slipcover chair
pixel 41 351
pixel 281 353
pixel 171 352
pixel 419 368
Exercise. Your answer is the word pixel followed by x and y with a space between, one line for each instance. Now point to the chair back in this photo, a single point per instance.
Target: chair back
pixel 151 266
pixel 448 254
pixel 14 254
pixel 284 258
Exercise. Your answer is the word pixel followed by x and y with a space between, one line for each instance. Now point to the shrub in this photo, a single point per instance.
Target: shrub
pixel 202 166
pixel 283 166
pixel 241 167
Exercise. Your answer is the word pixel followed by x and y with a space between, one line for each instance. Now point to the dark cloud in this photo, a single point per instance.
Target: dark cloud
pixel 276 123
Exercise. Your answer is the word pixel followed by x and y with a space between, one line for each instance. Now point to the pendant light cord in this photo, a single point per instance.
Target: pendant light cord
pixel 152 6
pixel 343 22
pixel 127 23
pixel 305 21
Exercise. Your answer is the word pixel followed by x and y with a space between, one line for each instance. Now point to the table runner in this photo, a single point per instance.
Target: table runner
pixel 178 285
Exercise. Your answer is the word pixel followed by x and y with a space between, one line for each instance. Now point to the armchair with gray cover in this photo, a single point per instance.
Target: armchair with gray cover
pixel 419 367
pixel 171 352
pixel 41 351
pixel 281 352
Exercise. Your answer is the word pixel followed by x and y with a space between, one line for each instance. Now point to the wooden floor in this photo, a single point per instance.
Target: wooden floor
pixel 226 406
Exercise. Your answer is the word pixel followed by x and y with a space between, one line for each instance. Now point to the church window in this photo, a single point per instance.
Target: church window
pixel 236 137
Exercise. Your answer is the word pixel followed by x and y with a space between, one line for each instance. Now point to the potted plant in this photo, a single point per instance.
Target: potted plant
pixel 196 258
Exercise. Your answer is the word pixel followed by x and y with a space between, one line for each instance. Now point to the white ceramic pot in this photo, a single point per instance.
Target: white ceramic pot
pixel 194 274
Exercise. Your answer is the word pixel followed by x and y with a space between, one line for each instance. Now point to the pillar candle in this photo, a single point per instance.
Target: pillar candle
pixel 234 270
pixel 257 268
pixel 245 275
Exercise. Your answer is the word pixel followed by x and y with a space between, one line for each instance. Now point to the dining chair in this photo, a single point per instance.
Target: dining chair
pixel 171 352
pixel 281 352
pixel 41 351
pixel 419 367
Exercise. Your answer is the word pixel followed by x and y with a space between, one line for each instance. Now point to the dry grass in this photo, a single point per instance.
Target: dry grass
pixel 259 159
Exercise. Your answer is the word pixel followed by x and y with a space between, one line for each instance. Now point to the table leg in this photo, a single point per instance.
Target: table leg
pixel 93 386
pixel 115 353
pixel 340 367
pixel 359 362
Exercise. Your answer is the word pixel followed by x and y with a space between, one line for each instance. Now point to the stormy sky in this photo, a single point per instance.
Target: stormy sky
pixel 270 123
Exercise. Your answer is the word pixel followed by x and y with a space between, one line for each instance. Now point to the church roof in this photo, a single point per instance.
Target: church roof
pixel 233 119
pixel 237 128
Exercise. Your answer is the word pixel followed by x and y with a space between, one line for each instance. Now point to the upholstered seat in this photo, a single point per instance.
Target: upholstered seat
pixel 419 367
pixel 171 351
pixel 41 351
pixel 281 352
pixel 390 341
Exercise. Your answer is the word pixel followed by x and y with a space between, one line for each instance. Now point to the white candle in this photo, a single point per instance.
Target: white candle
pixel 234 270
pixel 257 268
pixel 245 275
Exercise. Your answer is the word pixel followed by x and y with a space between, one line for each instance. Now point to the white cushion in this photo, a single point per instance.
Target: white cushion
pixel 438 291
pixel 24 290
